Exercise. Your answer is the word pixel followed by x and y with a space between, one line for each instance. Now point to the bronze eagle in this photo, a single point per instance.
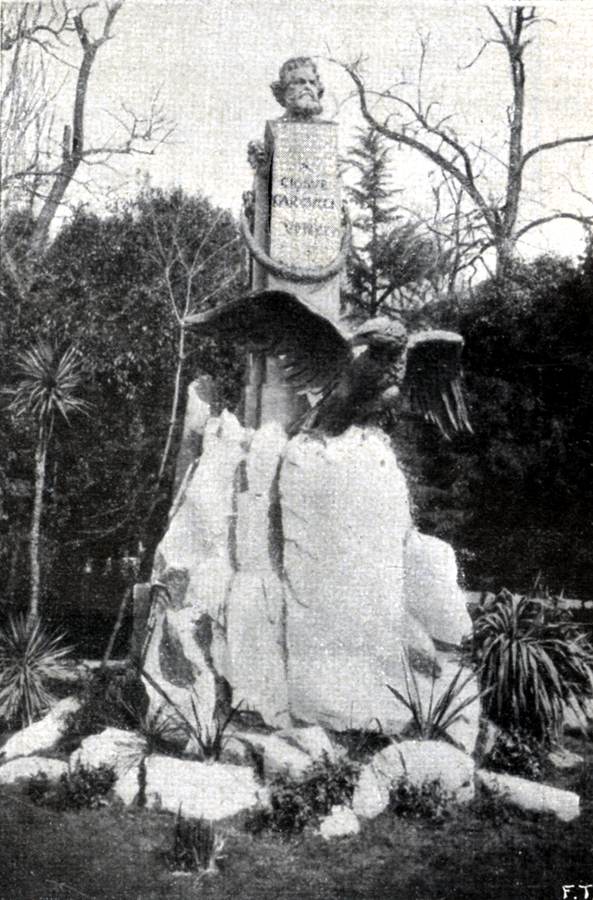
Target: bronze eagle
pixel 396 372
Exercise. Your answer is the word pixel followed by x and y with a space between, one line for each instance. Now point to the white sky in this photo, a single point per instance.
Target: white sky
pixel 214 61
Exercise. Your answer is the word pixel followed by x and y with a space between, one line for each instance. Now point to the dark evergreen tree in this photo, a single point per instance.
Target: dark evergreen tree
pixel 390 252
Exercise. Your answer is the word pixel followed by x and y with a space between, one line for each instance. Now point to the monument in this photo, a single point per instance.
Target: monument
pixel 295 578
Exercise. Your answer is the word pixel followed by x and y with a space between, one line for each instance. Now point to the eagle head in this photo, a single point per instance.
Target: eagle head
pixel 381 332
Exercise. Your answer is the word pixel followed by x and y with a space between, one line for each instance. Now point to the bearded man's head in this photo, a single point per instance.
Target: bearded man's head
pixel 299 89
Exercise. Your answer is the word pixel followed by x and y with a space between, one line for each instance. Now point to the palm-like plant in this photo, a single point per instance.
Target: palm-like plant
pixel 29 658
pixel 432 721
pixel 47 385
pixel 534 660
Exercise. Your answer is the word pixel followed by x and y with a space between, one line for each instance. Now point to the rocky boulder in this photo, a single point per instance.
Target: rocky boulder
pixel 419 762
pixel 119 750
pixel 41 736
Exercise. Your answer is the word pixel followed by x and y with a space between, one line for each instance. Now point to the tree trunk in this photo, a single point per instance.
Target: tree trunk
pixel 40 458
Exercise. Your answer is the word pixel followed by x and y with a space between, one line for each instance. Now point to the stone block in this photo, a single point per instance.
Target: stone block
pixel 344 514
pixel 119 750
pixel 26 767
pixel 202 790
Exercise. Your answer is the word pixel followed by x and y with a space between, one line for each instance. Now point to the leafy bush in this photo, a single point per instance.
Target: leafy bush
pixel 80 788
pixel 295 803
pixel 533 660
pixel 30 658
pixel 196 846
pixel 433 722
pixel 110 698
pixel 518 753
pixel 428 800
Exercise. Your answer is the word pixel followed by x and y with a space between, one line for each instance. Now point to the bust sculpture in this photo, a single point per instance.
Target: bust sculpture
pixel 299 89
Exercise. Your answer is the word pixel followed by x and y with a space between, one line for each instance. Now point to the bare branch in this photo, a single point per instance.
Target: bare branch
pixel 550 145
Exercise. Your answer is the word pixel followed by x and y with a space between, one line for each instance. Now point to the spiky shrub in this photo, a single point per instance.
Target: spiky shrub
pixel 428 800
pixel 432 720
pixel 297 802
pixel 533 660
pixel 196 845
pixel 30 658
pixel 206 743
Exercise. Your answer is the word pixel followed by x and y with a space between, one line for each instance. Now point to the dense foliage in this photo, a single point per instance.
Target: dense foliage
pixel 297 802
pixel 103 289
pixel 79 788
pixel 516 498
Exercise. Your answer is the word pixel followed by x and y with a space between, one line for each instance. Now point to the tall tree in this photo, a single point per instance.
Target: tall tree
pixel 389 252
pixel 43 46
pixel 412 121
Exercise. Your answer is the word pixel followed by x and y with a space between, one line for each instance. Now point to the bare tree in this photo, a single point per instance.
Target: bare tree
pixel 496 223
pixel 38 43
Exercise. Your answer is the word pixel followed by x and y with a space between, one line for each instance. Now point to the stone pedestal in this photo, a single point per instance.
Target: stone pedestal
pixel 305 206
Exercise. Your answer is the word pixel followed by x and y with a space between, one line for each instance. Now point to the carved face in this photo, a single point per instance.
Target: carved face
pixel 301 92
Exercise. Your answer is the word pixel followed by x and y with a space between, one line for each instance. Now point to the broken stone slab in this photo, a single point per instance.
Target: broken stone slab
pixel 565 759
pixel 202 790
pixel 44 735
pixel 432 593
pixel 119 750
pixel 312 740
pixel 345 512
pixel 27 767
pixel 531 795
pixel 201 397
pixel 420 762
pixel 277 756
pixel 341 822
pixel 179 659
pixel 194 559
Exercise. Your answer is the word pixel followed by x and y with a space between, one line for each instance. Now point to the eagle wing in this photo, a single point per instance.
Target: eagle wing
pixel 432 382
pixel 312 350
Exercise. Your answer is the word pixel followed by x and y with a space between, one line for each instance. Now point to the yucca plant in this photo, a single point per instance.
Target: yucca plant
pixel 432 721
pixel 208 743
pixel 30 657
pixel 47 385
pixel 534 660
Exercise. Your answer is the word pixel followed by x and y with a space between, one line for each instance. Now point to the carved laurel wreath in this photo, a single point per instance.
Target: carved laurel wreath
pixel 299 273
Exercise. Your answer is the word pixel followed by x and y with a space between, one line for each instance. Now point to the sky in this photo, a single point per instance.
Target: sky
pixel 213 61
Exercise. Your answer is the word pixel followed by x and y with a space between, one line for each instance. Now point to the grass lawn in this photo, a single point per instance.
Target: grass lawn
pixel 119 854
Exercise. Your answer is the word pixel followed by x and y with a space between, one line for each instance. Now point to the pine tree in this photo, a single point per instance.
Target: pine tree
pixel 389 252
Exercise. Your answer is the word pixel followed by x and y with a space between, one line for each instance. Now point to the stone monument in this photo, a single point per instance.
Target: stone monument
pixel 295 579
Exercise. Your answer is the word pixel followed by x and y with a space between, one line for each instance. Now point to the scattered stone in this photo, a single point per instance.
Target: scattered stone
pixel 340 822
pixel 278 756
pixel 27 767
pixel 565 759
pixel 420 762
pixel 531 795
pixel 119 750
pixel 202 790
pixel 313 741
pixel 43 735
